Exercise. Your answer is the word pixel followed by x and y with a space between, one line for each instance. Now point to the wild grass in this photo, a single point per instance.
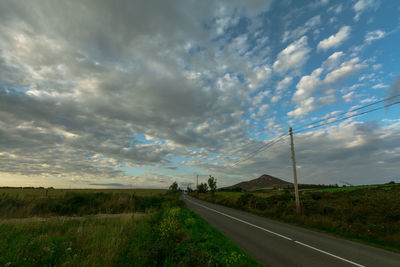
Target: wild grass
pixel 236 195
pixel 77 204
pixel 172 236
pixel 370 214
pixel 56 193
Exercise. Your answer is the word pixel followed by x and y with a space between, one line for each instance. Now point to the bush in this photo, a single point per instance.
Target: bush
pixel 245 200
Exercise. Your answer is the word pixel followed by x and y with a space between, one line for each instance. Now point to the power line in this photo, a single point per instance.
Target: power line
pixel 344 113
pixel 348 117
pixel 302 129
pixel 263 147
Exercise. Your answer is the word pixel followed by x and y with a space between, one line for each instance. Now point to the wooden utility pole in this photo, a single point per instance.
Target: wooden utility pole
pixel 197 184
pixel 296 188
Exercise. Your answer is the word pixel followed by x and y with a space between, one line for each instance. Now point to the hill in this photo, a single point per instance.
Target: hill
pixel 263 181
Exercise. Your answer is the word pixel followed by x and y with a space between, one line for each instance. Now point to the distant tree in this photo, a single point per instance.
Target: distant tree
pixel 174 187
pixel 202 188
pixel 212 184
pixel 189 190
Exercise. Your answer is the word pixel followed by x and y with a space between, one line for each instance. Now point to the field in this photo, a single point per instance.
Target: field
pixel 236 195
pixel 369 214
pixel 35 193
pixel 166 233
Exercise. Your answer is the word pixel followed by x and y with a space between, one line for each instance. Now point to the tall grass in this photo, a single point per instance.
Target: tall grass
pixel 367 214
pixel 73 203
pixel 56 193
pixel 172 236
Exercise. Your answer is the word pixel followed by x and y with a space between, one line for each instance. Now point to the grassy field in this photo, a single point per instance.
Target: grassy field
pixel 78 203
pixel 35 193
pixel 352 188
pixel 169 235
pixel 236 195
pixel 370 214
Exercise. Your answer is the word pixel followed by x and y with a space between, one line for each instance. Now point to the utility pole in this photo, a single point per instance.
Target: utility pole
pixel 296 188
pixel 197 184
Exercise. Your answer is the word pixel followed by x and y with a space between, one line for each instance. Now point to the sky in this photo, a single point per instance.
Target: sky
pixel 143 93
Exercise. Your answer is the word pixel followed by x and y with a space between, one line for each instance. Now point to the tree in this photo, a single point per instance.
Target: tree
pixel 202 188
pixel 174 187
pixel 212 183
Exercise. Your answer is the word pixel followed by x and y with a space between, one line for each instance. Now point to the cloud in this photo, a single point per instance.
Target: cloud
pixel 258 99
pixel 374 35
pixel 379 85
pixel 334 41
pixel 301 30
pixel 361 5
pixel 259 76
pixel 73 100
pixel 345 70
pixel 117 94
pixel 281 86
pixel 353 145
pixel 293 56
pixel 308 85
pixel 336 9
pixel 112 185
pixel 333 60
pixel 395 87
pixel 349 97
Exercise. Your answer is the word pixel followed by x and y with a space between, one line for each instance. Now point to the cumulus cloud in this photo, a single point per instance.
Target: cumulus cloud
pixel 79 82
pixel 333 60
pixel 141 93
pixel 281 86
pixel 309 84
pixel 364 144
pixel 293 56
pixel 335 40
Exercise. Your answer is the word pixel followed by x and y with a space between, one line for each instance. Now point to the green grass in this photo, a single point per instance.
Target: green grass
pixel 77 203
pixel 55 193
pixel 369 214
pixel 349 188
pixel 173 236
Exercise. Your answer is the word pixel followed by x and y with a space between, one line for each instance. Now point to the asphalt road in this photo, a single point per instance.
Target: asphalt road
pixel 273 243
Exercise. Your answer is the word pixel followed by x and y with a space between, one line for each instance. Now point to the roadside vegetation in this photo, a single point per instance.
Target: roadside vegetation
pixel 76 204
pixel 370 214
pixel 167 234
pixel 38 192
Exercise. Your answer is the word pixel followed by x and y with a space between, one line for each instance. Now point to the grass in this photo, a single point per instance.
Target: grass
pixel 178 237
pixel 76 204
pixel 169 235
pixel 236 195
pixel 369 214
pixel 351 188
pixel 56 193
pixel 68 243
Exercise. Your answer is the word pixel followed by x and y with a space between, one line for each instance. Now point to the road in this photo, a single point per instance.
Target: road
pixel 273 243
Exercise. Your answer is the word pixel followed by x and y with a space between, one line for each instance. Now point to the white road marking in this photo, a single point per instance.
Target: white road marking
pixel 271 232
pixel 237 219
pixel 327 253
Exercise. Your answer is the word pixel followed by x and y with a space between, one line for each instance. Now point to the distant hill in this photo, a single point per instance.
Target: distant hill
pixel 261 182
